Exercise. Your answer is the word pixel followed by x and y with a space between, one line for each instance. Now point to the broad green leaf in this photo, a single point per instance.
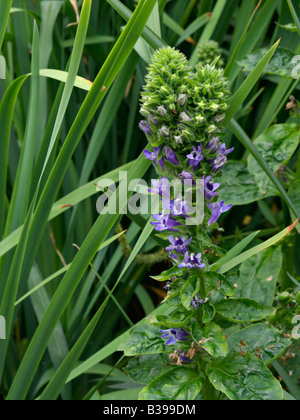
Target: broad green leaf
pixel 218 282
pixel 178 319
pixel 144 369
pixel 248 144
pixel 277 145
pixel 189 291
pixel 281 63
pixel 242 310
pixel 294 194
pixel 180 383
pixel 145 339
pixel 259 276
pixel 240 186
pixel 208 313
pixel 166 275
pixel 212 339
pixel 262 341
pixel 244 379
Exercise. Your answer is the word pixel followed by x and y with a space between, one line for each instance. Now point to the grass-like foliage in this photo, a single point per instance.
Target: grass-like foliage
pixel 101 296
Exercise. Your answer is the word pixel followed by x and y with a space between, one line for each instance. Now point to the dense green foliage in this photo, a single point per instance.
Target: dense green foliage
pixel 84 295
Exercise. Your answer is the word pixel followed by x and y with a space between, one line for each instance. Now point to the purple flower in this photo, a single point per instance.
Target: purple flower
pixel 179 244
pixel 197 301
pixel 187 176
pixel 177 207
pixel 173 335
pixel 192 261
pixel 217 209
pixel 170 155
pixel 195 157
pixel 145 127
pixel 210 188
pixel 213 144
pixel 222 150
pixel 154 157
pixel 219 162
pixel 165 222
pixel 161 187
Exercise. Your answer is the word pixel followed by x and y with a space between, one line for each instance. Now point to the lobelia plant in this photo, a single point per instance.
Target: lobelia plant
pixel 208 344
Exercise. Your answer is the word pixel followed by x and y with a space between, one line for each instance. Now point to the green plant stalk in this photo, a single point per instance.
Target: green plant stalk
pixel 105 78
pixel 5 7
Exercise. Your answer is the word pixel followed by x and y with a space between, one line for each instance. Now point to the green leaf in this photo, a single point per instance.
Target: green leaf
pixel 36 349
pixel 4 13
pixel 259 276
pixel 244 90
pixel 236 250
pixel 294 194
pixel 178 319
pixel 260 340
pixel 246 141
pixel 189 291
pixel 277 145
pixel 145 339
pixel 281 63
pixel 253 251
pixel 180 383
pixel 242 310
pixel 166 275
pixel 240 186
pixel 144 369
pixel 218 282
pixel 244 379
pixel 215 342
pixel 208 313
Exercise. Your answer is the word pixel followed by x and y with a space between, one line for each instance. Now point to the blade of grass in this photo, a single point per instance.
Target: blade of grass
pixel 209 29
pixel 5 7
pixel 110 69
pixel 244 90
pixel 253 251
pixel 52 390
pixel 294 15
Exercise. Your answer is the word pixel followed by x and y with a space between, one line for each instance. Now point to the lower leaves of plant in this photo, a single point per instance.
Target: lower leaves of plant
pixel 210 336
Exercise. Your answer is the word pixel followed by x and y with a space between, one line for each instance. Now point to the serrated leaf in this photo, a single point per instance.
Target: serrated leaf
pixel 219 282
pixel 166 275
pixel 145 339
pixel 144 369
pixel 244 379
pixel 277 145
pixel 240 186
pixel 242 310
pixel 281 63
pixel 259 276
pixel 180 383
pixel 189 291
pixel 208 313
pixel 178 319
pixel 260 340
pixel 215 342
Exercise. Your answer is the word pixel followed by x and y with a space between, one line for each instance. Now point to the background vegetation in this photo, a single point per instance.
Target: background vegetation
pixel 59 261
